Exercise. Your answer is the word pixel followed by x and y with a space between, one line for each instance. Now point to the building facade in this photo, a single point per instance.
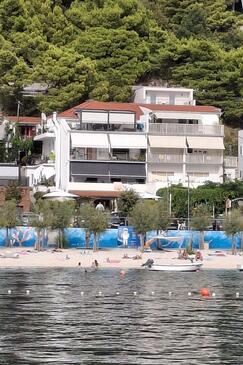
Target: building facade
pixel 102 148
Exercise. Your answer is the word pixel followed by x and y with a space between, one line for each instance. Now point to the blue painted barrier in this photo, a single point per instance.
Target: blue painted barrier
pixel 123 237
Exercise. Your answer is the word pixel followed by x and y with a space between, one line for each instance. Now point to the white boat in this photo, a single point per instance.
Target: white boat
pixel 192 266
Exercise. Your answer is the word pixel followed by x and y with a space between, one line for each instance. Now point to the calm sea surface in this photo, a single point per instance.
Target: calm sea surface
pixel 56 324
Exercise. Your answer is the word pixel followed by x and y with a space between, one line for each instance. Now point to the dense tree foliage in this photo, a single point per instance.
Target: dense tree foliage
pixel 100 48
pixel 211 194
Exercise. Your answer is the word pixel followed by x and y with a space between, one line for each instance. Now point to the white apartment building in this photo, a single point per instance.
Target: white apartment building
pixel 163 95
pixel 102 148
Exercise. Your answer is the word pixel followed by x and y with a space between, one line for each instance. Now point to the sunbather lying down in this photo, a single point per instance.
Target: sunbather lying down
pixel 112 261
pixel 136 257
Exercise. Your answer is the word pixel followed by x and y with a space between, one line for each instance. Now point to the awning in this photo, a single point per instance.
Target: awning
pixel 167 141
pixel 205 143
pixel 128 141
pixel 97 194
pixel 89 140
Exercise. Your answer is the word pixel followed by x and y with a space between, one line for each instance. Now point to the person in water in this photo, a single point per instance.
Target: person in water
pixel 95 264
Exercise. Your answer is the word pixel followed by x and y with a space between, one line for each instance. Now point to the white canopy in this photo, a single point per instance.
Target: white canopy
pixel 89 140
pixel 146 195
pixel 60 195
pixel 128 141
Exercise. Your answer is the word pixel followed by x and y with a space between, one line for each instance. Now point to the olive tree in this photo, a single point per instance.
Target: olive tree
pixel 8 218
pixel 200 220
pixel 232 226
pixel 93 221
pixel 143 218
pixel 62 214
pixel 44 221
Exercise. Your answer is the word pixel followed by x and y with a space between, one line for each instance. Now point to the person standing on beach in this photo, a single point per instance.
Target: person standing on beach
pixel 100 207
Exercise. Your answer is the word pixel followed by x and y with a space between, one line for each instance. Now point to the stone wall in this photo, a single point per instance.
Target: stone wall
pixel 25 202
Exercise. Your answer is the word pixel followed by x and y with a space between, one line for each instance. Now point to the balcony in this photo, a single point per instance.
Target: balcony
pixel 165 158
pixel 93 154
pixel 107 172
pixel 231 162
pixel 204 159
pixel 174 129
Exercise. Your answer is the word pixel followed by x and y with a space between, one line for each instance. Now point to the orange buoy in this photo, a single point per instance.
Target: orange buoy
pixel 204 292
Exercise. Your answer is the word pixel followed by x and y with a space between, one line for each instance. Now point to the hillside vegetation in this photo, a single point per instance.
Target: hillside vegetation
pixel 100 48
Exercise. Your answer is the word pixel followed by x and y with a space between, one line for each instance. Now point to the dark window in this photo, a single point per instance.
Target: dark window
pixel 91 179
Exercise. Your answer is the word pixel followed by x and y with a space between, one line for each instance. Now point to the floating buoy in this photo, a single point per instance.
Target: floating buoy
pixel 9 291
pixel 204 292
pixel 81 293
pixel 100 292
pixel 213 295
pixel 117 293
pixel 170 293
pixel 152 292
pixel 122 273
pixel 27 292
pixel 134 293
pixel 189 294
pixel 237 295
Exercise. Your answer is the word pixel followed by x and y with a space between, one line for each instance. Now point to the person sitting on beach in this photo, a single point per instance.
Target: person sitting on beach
pixel 198 256
pixel 137 257
pixel 125 256
pixel 184 255
pixel 95 264
pixel 180 255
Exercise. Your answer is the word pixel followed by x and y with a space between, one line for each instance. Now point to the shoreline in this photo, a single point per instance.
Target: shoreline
pixel 110 258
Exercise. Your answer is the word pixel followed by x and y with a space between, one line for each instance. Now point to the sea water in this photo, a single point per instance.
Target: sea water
pixel 67 316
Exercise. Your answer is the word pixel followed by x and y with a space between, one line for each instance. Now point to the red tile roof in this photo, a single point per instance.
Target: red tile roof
pixel 24 120
pixel 136 108
pixel 99 105
pixel 96 194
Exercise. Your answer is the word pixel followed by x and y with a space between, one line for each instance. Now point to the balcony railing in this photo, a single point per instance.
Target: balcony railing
pixel 204 159
pixel 231 161
pixel 107 157
pixel 174 129
pixel 164 158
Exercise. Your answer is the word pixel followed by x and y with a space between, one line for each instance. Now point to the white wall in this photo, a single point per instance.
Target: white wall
pixel 9 172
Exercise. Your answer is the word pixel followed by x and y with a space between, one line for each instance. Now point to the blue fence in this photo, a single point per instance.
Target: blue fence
pixel 123 236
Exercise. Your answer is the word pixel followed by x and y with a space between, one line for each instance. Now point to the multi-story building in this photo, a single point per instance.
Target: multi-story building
pixel 101 148
pixel 163 95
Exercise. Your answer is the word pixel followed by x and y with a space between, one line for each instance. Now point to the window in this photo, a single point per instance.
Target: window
pixel 198 174
pixel 91 179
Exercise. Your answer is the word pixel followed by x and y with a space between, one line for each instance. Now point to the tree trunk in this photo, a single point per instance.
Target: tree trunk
pixel 7 239
pixel 233 245
pixel 201 240
pixel 142 241
pixel 95 243
pixel 87 239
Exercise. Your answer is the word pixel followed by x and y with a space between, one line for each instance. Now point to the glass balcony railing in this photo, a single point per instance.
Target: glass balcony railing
pixel 174 129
